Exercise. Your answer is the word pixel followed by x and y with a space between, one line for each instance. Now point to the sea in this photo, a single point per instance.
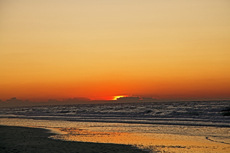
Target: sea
pixel 200 120
pixel 190 113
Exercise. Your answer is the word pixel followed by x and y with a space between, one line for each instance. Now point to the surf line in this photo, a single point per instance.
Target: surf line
pixel 217 141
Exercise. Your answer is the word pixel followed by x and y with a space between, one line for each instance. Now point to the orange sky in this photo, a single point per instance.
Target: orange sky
pixel 97 49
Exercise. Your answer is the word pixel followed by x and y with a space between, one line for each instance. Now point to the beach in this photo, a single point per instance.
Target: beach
pixel 67 136
pixel 35 140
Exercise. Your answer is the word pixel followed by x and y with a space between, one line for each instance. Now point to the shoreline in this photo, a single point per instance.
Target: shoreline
pixel 18 139
pixel 223 125
pixel 138 138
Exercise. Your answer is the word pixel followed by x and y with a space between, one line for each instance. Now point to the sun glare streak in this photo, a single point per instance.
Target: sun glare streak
pixel 116 97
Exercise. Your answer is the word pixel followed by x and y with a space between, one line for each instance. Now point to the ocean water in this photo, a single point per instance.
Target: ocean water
pixel 189 126
pixel 189 113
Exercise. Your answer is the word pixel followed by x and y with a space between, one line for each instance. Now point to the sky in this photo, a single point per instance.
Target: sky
pixel 100 49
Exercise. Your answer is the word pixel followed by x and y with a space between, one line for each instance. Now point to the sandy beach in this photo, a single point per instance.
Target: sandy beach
pixel 35 140
pixel 92 137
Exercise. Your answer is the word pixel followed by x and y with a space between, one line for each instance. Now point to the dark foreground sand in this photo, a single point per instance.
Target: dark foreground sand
pixel 35 140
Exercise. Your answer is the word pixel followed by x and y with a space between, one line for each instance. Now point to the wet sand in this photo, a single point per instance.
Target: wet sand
pixel 35 140
pixel 165 143
pixel 94 136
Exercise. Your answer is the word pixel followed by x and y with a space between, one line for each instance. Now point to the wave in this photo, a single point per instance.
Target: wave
pixel 193 113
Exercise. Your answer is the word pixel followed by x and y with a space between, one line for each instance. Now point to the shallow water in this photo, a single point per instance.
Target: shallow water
pixel 162 138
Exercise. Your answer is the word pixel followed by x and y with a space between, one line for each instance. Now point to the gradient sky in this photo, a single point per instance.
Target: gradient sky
pixel 101 48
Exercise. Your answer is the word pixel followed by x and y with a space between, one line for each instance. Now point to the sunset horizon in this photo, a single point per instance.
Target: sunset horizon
pixel 115 76
pixel 120 98
pixel 98 50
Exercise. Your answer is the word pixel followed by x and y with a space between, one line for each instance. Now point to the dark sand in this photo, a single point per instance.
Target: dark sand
pixel 35 140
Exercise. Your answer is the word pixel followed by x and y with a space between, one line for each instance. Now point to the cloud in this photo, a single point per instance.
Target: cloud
pixel 148 99
pixel 128 99
pixel 76 99
pixel 136 99
pixel 14 100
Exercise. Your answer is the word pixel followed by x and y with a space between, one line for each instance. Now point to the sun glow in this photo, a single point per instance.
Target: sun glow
pixel 89 49
pixel 116 97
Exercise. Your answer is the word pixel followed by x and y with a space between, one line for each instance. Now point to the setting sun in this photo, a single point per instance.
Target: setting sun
pixel 116 97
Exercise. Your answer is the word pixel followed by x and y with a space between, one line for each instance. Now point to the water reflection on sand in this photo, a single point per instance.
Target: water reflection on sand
pixel 163 138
